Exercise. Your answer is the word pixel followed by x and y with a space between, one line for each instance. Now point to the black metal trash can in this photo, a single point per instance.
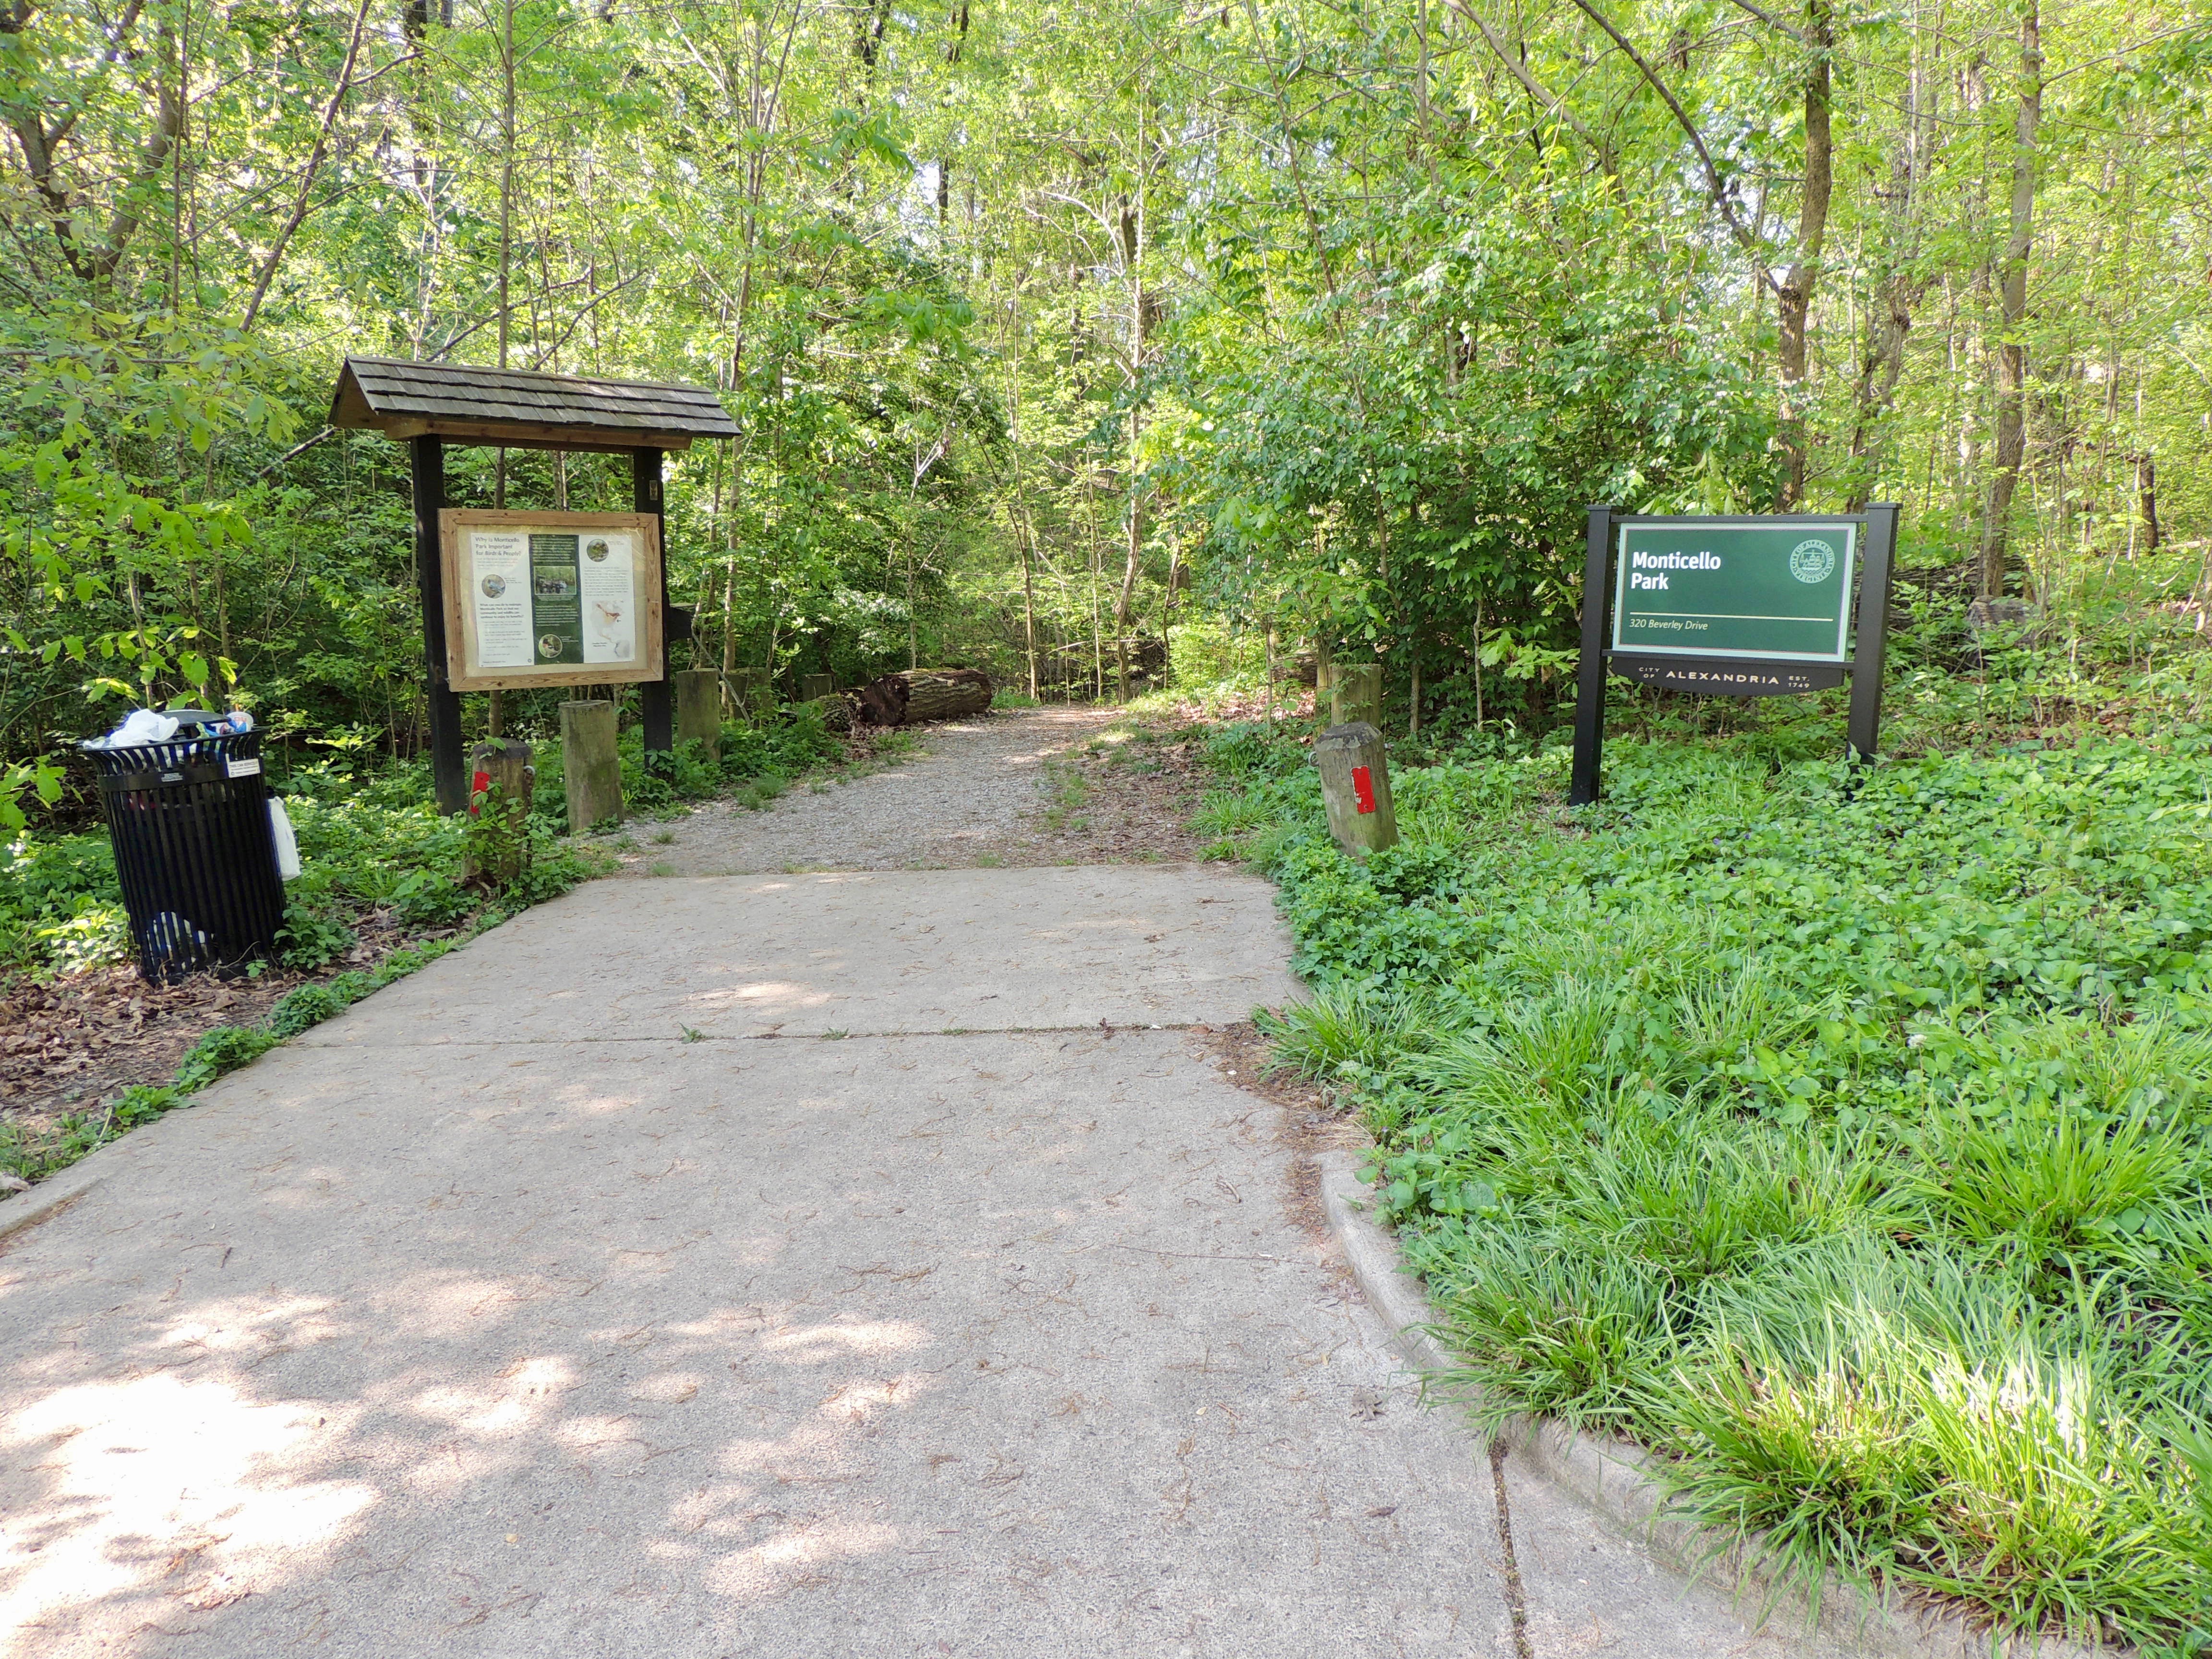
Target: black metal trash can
pixel 189 819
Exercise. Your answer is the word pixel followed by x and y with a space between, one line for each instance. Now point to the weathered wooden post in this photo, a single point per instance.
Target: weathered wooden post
pixel 1269 622
pixel 749 689
pixel 699 709
pixel 590 770
pixel 811 686
pixel 1355 786
pixel 502 781
pixel 1357 694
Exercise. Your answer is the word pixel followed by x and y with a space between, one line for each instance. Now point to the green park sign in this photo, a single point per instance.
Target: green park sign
pixel 1733 607
pixel 1775 591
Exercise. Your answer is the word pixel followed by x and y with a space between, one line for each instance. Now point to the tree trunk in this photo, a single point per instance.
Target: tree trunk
pixel 2012 354
pixel 1887 325
pixel 1889 319
pixel 2147 499
pixel 1794 300
pixel 1126 599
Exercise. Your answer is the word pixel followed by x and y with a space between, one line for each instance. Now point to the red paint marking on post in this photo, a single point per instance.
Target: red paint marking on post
pixel 479 787
pixel 1363 788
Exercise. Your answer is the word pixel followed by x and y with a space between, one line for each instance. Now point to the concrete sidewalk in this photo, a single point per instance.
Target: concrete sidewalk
pixel 794 1265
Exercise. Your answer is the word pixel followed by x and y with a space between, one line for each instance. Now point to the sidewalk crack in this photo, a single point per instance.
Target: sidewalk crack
pixel 1517 1601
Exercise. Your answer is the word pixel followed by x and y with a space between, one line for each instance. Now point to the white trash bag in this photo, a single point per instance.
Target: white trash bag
pixel 288 844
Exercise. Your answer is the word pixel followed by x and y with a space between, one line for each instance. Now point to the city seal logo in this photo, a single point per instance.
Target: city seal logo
pixel 1812 560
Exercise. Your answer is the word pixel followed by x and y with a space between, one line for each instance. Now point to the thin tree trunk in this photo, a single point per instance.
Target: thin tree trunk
pixel 1793 300
pixel 507 135
pixel 1889 317
pixel 1123 604
pixel 1268 621
pixel 1478 662
pixel 2012 354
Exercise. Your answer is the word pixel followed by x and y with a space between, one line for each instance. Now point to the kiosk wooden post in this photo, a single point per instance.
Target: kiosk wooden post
pixel 590 771
pixel 1355 788
pixel 449 783
pixel 654 702
pixel 1873 630
pixel 1589 678
pixel 699 709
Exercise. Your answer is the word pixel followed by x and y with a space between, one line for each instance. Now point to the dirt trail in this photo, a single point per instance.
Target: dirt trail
pixel 1016 789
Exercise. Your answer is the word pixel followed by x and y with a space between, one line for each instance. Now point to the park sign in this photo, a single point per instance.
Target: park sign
pixel 1733 607
pixel 1778 591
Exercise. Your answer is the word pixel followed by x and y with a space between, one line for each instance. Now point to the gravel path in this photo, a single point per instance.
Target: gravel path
pixel 973 795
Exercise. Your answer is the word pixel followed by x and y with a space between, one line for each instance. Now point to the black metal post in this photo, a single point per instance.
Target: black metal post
pixel 1869 648
pixel 1589 679
pixel 654 701
pixel 426 464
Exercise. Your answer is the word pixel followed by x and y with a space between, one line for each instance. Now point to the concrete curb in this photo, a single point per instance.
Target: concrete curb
pixel 28 1209
pixel 1607 1477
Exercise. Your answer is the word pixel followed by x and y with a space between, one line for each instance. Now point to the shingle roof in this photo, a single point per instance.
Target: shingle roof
pixel 487 406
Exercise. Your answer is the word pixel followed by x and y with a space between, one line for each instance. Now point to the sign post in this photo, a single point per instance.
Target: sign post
pixel 1733 607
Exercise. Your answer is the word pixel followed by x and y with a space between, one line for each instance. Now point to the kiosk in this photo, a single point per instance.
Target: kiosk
pixel 517 598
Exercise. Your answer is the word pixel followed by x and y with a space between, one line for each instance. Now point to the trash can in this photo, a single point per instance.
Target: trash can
pixel 194 851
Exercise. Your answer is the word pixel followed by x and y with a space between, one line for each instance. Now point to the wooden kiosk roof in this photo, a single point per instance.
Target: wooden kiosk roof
pixel 523 409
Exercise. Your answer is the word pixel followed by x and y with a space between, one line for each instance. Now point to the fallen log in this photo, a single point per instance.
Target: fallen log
pixel 912 696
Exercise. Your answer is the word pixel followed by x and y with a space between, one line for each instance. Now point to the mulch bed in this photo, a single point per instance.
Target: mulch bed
pixel 74 1044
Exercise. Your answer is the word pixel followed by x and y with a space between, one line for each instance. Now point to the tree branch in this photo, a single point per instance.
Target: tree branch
pixel 1605 156
pixel 1772 22
pixel 1715 186
pixel 267 274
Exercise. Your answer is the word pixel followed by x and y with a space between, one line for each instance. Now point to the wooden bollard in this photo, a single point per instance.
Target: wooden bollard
pixel 590 770
pixel 699 709
pixel 749 689
pixel 502 781
pixel 811 686
pixel 1355 786
pixel 1357 693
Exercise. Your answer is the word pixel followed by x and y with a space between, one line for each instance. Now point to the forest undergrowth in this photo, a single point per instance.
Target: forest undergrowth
pixel 1840 1137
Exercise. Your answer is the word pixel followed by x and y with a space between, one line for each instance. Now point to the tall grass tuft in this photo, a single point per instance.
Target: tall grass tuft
pixel 1346 1025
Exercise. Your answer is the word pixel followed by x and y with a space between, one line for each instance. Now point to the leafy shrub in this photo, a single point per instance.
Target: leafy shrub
pixel 297 1011
pixel 310 939
pixel 60 905
pixel 1204 651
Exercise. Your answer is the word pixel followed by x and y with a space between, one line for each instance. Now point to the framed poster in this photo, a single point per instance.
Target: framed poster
pixel 550 598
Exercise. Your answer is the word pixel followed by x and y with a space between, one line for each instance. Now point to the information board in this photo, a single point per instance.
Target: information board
pixel 1711 588
pixel 551 599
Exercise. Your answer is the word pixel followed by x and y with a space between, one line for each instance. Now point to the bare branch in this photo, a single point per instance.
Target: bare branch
pixel 1773 22
pixel 1715 186
pixel 268 271
pixel 1605 156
